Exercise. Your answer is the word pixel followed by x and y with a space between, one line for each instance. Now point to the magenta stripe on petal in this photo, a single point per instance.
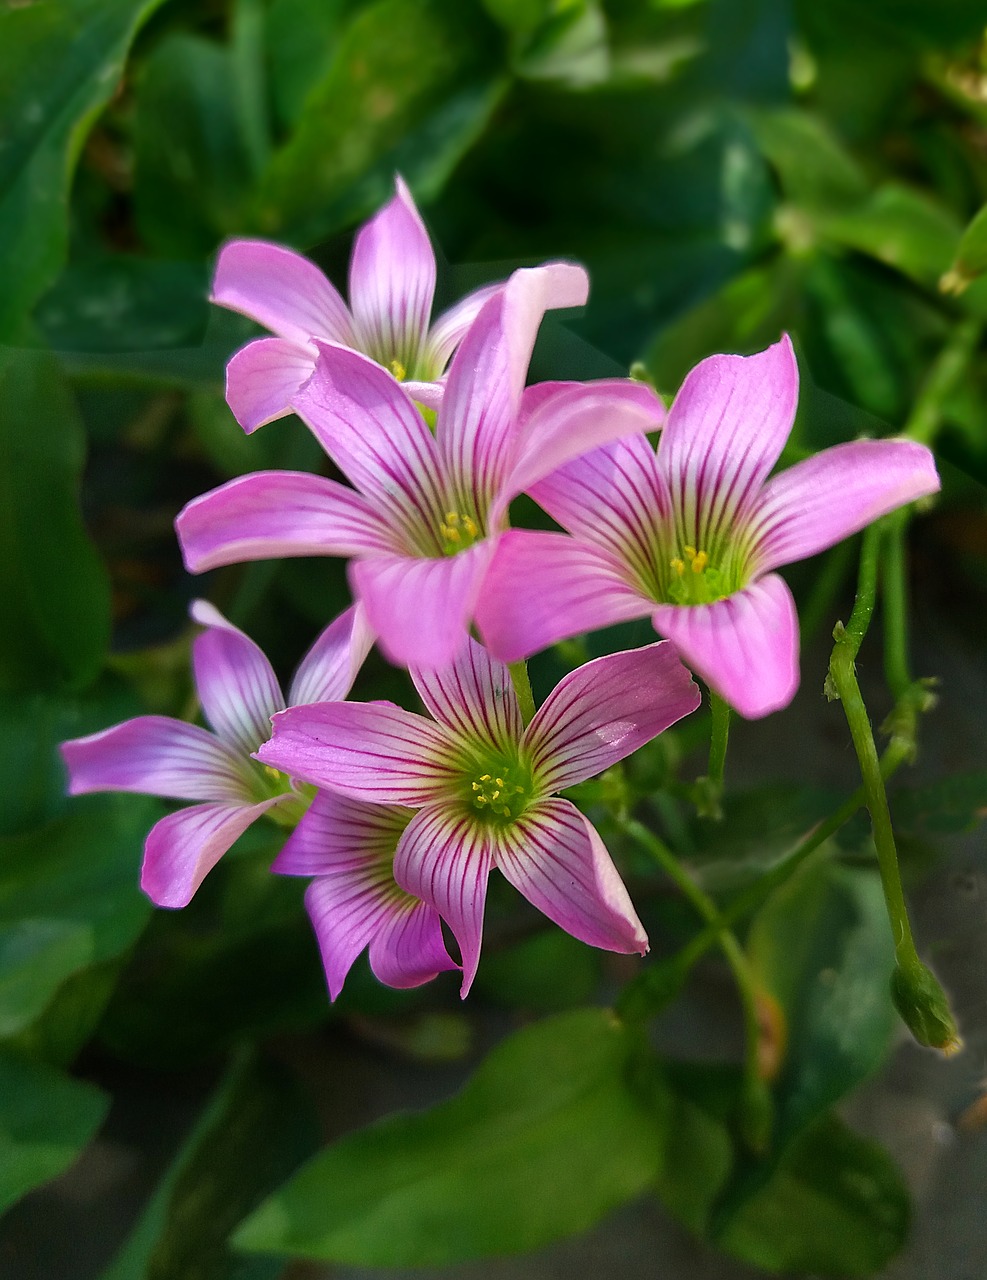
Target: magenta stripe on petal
pixel 446 862
pixel 263 377
pixel 337 833
pixel 420 609
pixel 545 587
pixel 556 859
pixel 369 751
pixel 725 431
pixel 281 290
pixel 158 756
pixel 327 671
pixel 825 499
pixel 605 710
pixel 745 647
pixel 408 949
pixel 237 686
pixel 270 514
pixel 473 696
pixel 184 847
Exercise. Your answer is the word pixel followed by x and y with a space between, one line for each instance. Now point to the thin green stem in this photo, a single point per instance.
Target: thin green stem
pixel 522 686
pixel 894 603
pixel 719 734
pixel 949 367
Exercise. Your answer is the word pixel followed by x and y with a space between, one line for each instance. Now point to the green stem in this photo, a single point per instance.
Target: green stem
pixel 719 733
pixel 925 418
pixel 522 686
pixel 894 600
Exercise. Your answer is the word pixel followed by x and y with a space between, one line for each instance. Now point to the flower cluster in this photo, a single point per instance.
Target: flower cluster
pixel 399 818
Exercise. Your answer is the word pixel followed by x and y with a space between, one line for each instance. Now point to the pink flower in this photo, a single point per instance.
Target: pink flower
pixel 692 536
pixel 354 902
pixel 484 785
pixel 392 280
pixel 161 756
pixel 426 510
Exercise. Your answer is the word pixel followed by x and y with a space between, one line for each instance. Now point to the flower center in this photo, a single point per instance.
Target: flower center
pixel 457 532
pixel 693 580
pixel 268 782
pixel 501 794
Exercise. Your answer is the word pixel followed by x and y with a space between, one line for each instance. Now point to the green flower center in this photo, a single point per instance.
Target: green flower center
pixel 693 580
pixel 267 782
pixel 457 531
pixel 499 793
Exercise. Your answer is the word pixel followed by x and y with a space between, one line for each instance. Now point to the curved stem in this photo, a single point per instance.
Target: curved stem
pixel 522 686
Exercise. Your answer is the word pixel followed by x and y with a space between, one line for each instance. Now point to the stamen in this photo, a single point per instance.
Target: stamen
pixel 678 566
pixel 499 796
pixel 689 551
pixel 398 369
pixel 699 562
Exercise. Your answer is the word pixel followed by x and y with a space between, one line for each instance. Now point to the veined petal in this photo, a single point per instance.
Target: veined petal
pixel 556 859
pixel 409 949
pixel 476 429
pixel 473 696
pixel 605 710
pixel 281 290
pixel 578 419
pixel 420 609
pixel 237 686
pixel 444 860
pixel 545 587
pixel 184 847
pixel 452 327
pixel 269 514
pixel 725 431
pixel 328 669
pixel 369 751
pixel 158 756
pixel 337 834
pixel 828 497
pixel 746 647
pixel 378 439
pixel 263 377
pixel 392 281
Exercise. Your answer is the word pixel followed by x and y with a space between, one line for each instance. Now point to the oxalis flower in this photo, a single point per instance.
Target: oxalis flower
pixel 354 902
pixel 425 512
pixel 391 285
pixel 692 535
pixel 484 785
pixel 162 756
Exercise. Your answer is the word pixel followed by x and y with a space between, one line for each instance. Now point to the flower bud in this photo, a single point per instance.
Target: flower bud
pixel 924 1008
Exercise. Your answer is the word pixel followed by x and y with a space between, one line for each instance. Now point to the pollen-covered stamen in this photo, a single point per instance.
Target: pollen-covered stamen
pixel 693 580
pixel 501 795
pixel 399 370
pixel 458 531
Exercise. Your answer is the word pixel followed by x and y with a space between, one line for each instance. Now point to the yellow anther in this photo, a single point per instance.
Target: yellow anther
pixel 452 519
pixel 495 795
pixel 481 800
pixel 678 566
pixel 500 782
pixel 398 369
pixel 506 812
pixel 477 787
pixel 272 773
pixel 485 777
pixel 689 552
pixel 470 527
pixel 518 791
pixel 699 562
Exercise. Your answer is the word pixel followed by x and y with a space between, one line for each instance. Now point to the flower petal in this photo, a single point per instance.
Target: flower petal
pixel 281 290
pixel 556 859
pixel 476 427
pixel 444 860
pixel 544 587
pixel 158 756
pixel 337 833
pixel 262 378
pixel 745 647
pixel 605 710
pixel 452 327
pixel 827 498
pixel 370 751
pixel 409 948
pixel 328 669
pixel 473 696
pixel 269 514
pixel 237 686
pixel 372 431
pixel 184 847
pixel 578 419
pixel 725 431
pixel 420 609
pixel 392 282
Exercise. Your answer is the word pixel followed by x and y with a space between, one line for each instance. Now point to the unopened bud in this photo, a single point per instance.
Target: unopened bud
pixel 924 1008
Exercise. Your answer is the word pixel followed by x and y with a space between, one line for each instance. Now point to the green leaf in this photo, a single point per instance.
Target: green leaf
pixel 971 256
pixel 902 228
pixel 410 86
pixel 192 167
pixel 69 899
pixel 46 1119
pixel 815 170
pixel 52 582
pixel 544 1139
pixel 60 63
pixel 300 35
pixel 547 972
pixel 254 1131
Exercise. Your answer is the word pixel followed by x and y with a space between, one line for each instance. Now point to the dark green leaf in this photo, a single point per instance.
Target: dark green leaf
pixel 549 971
pixel 542 1142
pixel 410 85
pixel 300 36
pixel 901 228
pixel 971 256
pixel 60 63
pixel 254 1131
pixel 46 1119
pixel 814 169
pixel 53 585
